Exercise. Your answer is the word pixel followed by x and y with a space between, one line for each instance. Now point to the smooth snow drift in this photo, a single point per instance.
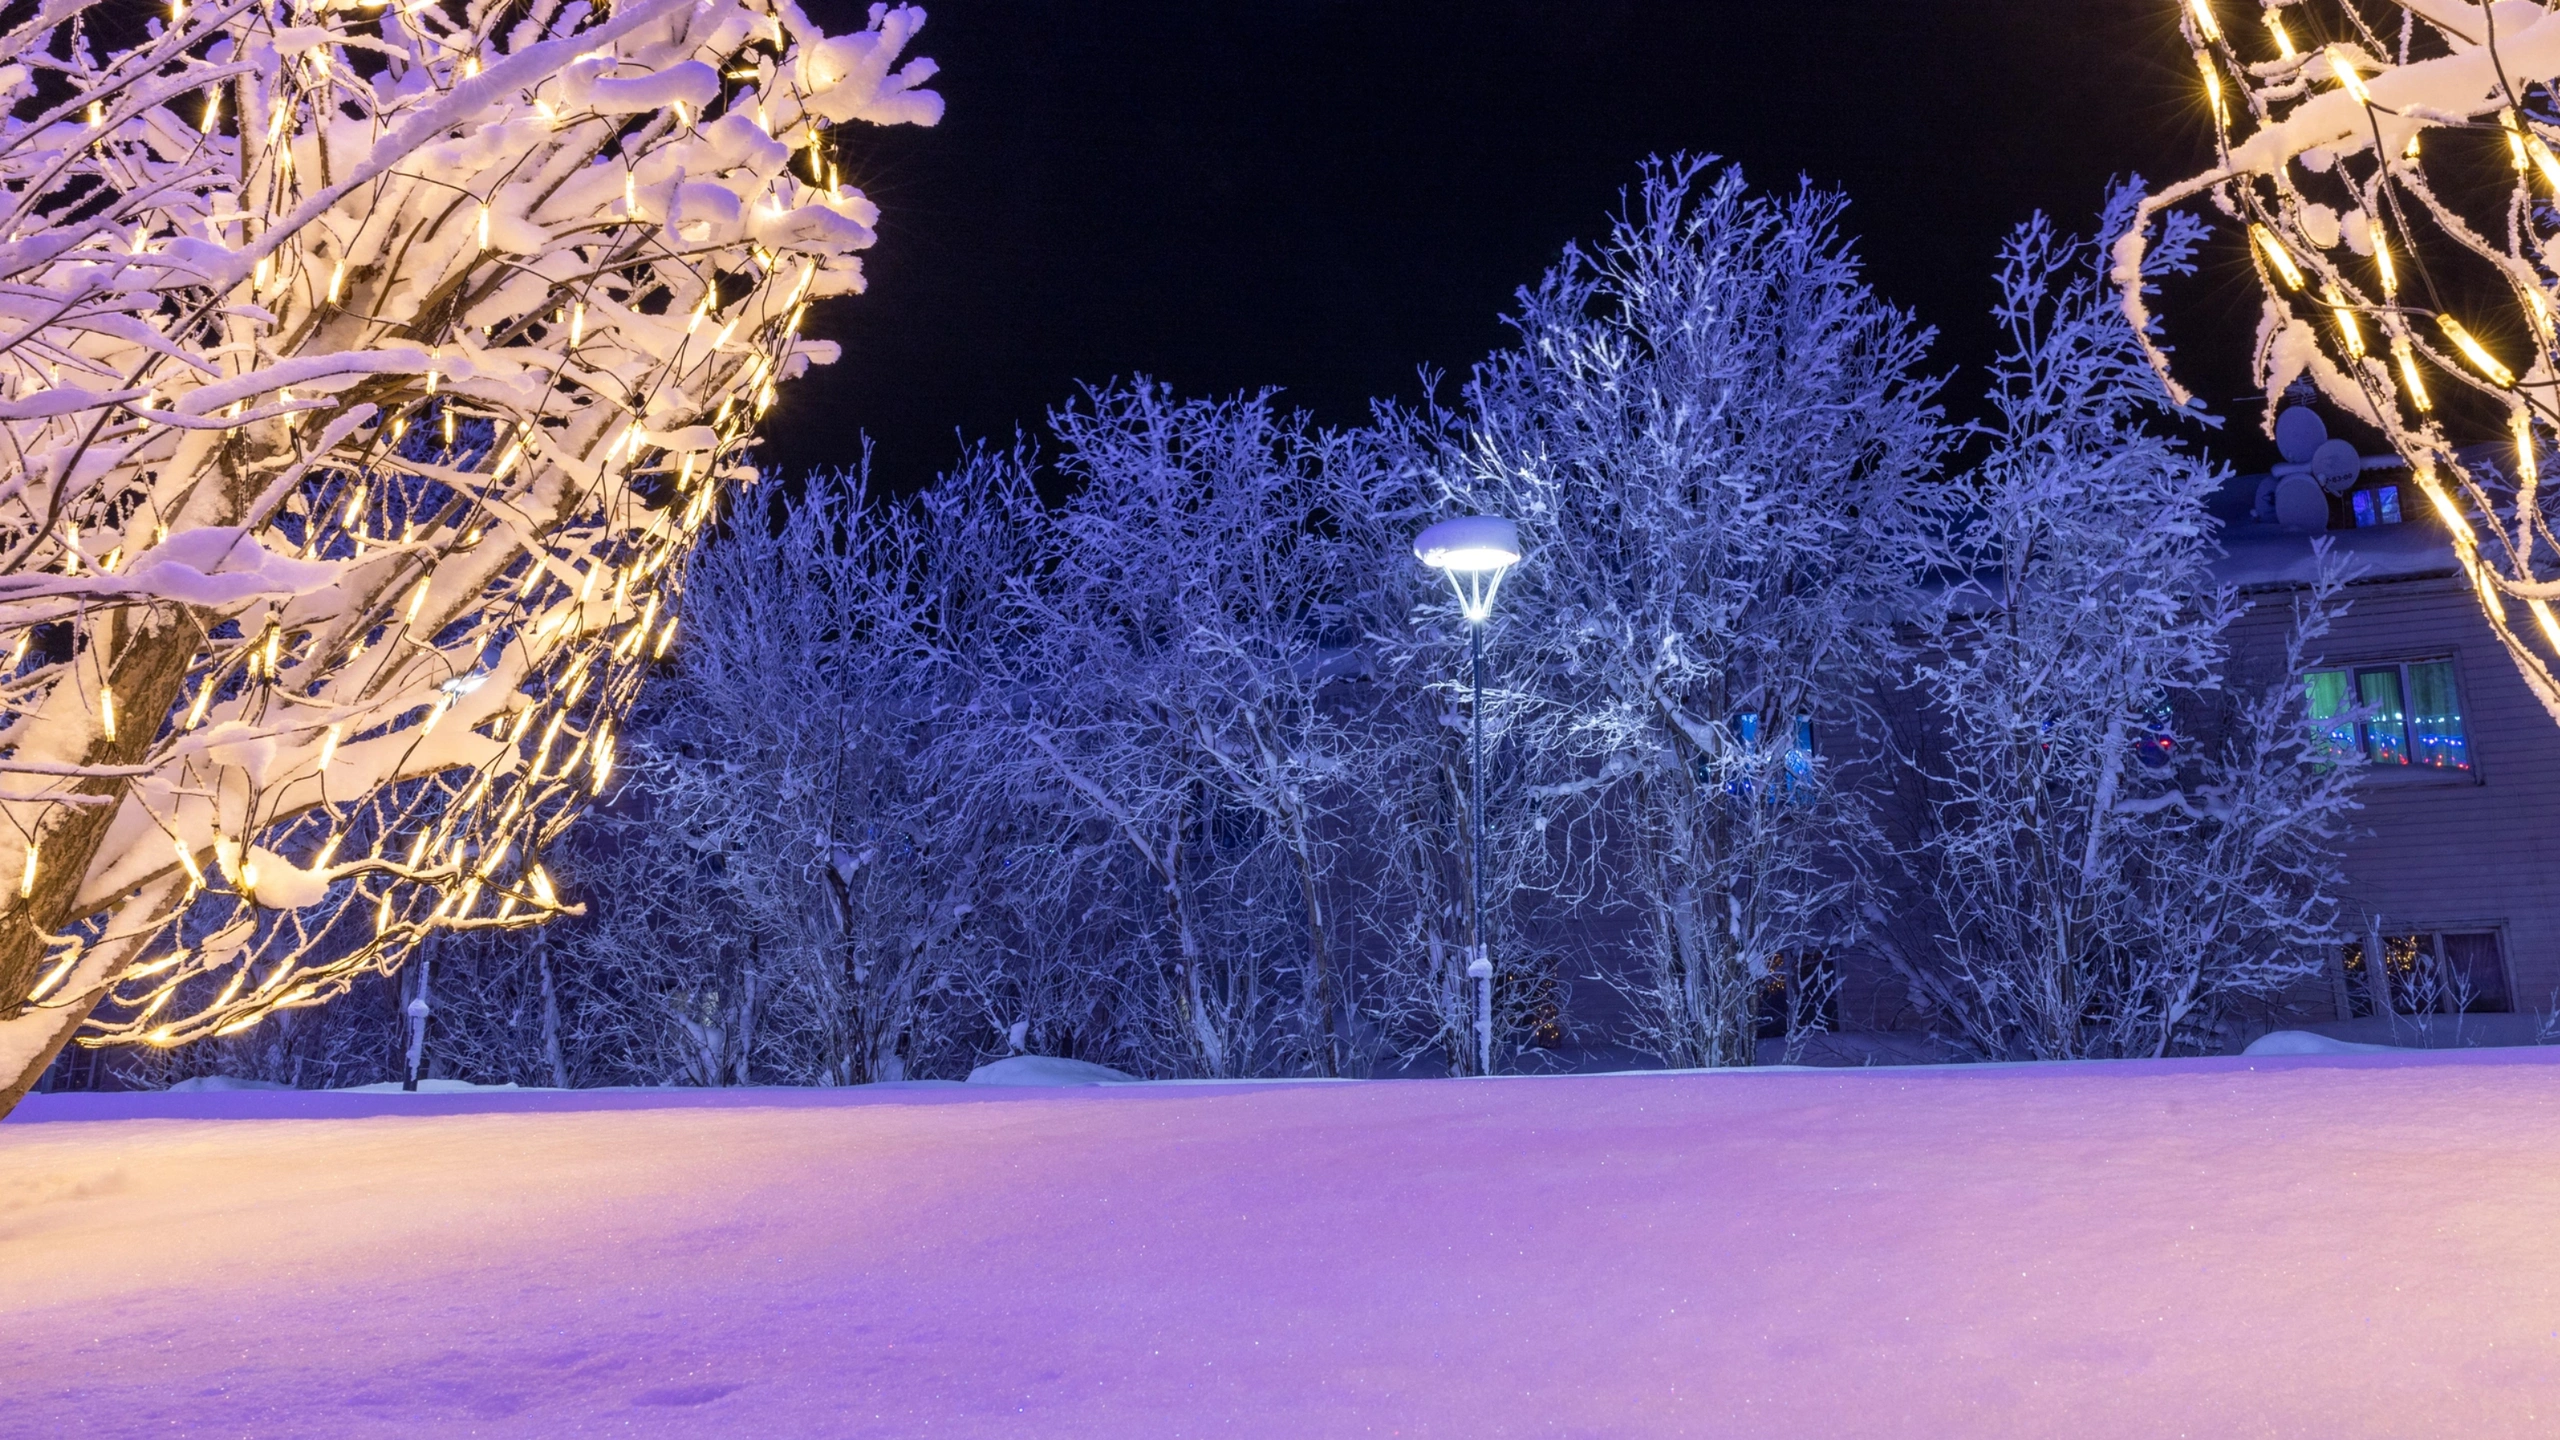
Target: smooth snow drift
pixel 2313 1245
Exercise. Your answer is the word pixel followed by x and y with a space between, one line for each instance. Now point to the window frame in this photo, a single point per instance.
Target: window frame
pixel 2355 987
pixel 2409 772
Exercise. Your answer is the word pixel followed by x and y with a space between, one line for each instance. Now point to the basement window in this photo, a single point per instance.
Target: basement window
pixel 2451 972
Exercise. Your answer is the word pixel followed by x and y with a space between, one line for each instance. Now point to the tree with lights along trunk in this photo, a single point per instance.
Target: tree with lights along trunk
pixel 2392 167
pixel 366 374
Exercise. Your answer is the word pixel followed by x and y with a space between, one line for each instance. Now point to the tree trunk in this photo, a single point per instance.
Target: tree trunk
pixel 550 1013
pixel 149 672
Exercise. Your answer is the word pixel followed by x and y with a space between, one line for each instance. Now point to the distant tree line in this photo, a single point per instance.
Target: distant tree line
pixel 1144 746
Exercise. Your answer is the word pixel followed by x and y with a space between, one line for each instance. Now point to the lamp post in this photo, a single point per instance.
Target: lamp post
pixel 1475 553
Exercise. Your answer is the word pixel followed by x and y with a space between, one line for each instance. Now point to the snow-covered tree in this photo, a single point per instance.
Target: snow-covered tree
pixel 369 370
pixel 2393 169
pixel 1714 436
pixel 2122 847
pixel 793 885
pixel 1168 679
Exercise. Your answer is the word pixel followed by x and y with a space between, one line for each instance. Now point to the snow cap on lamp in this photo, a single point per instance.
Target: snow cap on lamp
pixel 1476 542
pixel 1473 552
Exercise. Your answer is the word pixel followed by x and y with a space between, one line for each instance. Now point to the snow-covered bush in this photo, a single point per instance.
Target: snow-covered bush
pixel 370 370
pixel 2393 169
pixel 1714 437
pixel 2120 848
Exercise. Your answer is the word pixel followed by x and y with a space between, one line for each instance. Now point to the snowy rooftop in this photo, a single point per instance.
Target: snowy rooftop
pixel 2332 1245
pixel 2263 553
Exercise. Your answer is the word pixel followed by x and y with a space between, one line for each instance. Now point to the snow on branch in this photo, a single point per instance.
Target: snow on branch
pixel 367 372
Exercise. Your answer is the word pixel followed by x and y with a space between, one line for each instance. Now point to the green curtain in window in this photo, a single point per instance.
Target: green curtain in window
pixel 2435 717
pixel 2386 730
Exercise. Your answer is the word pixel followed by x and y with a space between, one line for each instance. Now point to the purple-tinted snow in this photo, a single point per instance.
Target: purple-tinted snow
pixel 2316 1246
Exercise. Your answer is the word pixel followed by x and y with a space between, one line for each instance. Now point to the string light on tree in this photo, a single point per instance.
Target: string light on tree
pixel 321 678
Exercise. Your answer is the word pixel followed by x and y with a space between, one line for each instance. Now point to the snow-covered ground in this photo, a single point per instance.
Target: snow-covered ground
pixel 2329 1245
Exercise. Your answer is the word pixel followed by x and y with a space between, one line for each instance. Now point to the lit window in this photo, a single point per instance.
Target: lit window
pixel 2377 506
pixel 2406 716
pixel 1799 757
pixel 2433 973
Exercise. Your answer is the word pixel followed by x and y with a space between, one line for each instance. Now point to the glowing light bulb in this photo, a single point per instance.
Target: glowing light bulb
pixel 2277 256
pixel 2349 333
pixel 2409 376
pixel 2543 160
pixel 2473 351
pixel 2206 25
pixel 53 977
pixel 2345 70
pixel 27 877
pixel 2284 42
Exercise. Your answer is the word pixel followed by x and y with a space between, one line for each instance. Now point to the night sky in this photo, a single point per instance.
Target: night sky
pixel 1328 197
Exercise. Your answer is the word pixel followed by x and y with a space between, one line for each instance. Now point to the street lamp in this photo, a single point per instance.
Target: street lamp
pixel 1475 553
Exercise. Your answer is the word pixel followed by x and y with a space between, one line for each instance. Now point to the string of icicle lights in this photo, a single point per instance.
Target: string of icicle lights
pixel 2393 165
pixel 370 371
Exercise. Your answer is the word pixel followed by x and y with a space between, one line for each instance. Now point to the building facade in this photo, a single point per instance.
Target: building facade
pixel 2454 868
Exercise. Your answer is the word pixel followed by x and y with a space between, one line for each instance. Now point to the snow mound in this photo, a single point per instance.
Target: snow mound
pixel 225 1082
pixel 2304 1042
pixel 1046 1070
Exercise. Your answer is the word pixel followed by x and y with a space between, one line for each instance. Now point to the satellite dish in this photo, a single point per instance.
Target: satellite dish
pixel 2302 505
pixel 2335 465
pixel 2299 433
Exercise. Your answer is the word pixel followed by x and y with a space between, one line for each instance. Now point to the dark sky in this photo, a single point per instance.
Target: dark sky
pixel 1326 196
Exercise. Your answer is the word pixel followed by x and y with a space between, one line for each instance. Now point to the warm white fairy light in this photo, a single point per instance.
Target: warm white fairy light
pixel 315 703
pixel 2440 115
